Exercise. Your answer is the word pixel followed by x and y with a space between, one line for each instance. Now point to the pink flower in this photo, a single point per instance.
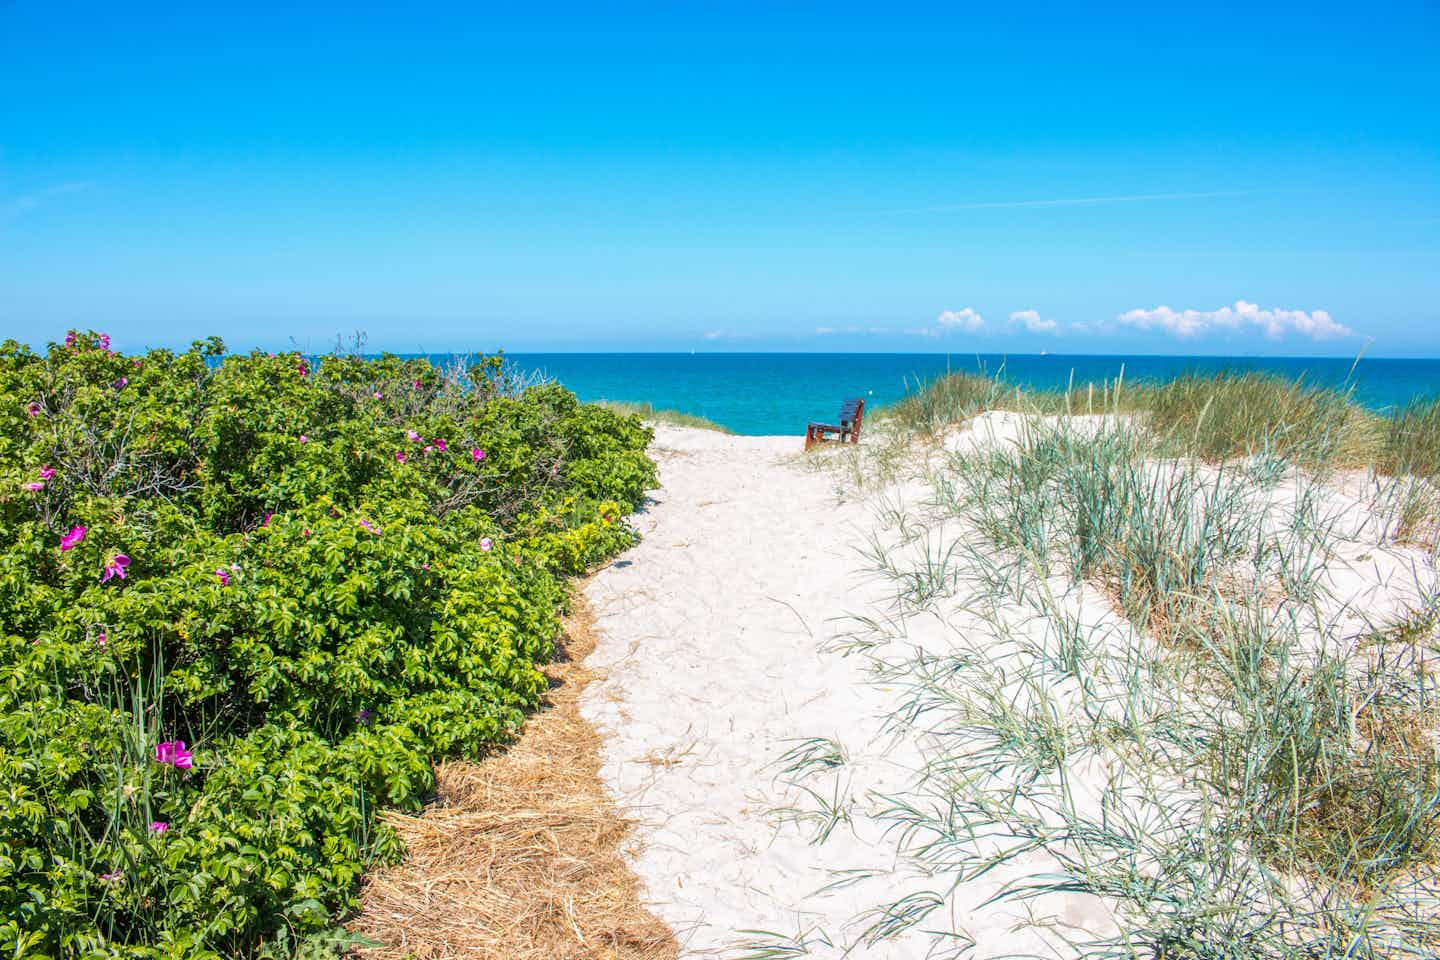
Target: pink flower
pixel 485 544
pixel 266 521
pixel 35 487
pixel 305 532
pixel 377 395
pixel 111 877
pixel 173 752
pixel 223 576
pixel 69 541
pixel 115 567
pixel 121 383
pixel 429 449
pixel 304 439
pixel 364 716
pixel 399 456
pixel 104 341
pixel 417 384
pixel 46 472
pixel 370 526
pixel 412 436
pixel 439 445
pixel 101 638
pixel 70 338
pixel 303 369
pixel 159 826
pixel 477 454
pixel 33 409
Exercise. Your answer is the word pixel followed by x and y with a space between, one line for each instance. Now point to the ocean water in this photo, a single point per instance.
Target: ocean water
pixel 778 393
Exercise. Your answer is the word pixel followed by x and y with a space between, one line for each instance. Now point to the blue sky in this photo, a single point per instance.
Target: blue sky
pixel 725 176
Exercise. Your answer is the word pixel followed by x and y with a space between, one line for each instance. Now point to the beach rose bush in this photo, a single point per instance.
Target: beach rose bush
pixel 246 602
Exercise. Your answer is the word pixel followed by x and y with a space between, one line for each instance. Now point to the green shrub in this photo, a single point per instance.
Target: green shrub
pixel 323 576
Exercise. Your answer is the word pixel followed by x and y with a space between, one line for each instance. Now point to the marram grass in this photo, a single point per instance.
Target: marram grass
pixel 1274 776
pixel 675 418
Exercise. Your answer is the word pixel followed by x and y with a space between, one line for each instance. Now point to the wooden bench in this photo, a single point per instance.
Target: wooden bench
pixel 852 411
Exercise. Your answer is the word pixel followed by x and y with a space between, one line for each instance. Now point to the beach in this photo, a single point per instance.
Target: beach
pixel 822 765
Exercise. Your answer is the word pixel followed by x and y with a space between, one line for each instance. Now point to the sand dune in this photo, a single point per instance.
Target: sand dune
pixel 726 656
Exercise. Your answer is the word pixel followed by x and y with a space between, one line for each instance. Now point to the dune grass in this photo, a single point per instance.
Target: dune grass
pixel 1272 747
pixel 1214 416
pixel 647 412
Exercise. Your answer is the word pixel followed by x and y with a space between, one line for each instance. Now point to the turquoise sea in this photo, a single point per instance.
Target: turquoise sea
pixel 777 393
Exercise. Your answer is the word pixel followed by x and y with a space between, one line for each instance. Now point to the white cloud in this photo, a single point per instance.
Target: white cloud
pixel 1275 323
pixel 966 319
pixel 824 331
pixel 1077 201
pixel 1034 322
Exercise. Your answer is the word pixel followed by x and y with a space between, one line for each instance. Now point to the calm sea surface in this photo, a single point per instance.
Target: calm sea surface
pixel 777 393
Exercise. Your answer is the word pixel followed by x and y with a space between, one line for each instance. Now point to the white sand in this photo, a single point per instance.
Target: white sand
pixel 711 637
pixel 715 634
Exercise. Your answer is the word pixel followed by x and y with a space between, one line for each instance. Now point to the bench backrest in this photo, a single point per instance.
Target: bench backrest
pixel 851 412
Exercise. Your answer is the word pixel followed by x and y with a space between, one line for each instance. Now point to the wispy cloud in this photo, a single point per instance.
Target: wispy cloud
pixel 1077 201
pixel 1274 323
pixel 25 203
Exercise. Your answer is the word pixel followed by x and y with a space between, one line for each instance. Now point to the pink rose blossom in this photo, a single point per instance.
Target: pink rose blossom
pixel 439 445
pixel 399 456
pixel 104 341
pixel 485 544
pixel 101 638
pixel 223 576
pixel 378 396
pixel 412 436
pixel 115 567
pixel 477 454
pixel 173 753
pixel 304 439
pixel 46 472
pixel 33 409
pixel 112 877
pixel 35 487
pixel 370 526
pixel 69 541
pixel 159 826
pixel 70 339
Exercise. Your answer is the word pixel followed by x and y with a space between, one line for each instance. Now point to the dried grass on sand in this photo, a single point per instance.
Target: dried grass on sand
pixel 520 855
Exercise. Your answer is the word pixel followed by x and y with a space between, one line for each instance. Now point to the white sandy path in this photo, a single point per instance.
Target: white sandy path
pixel 706 641
pixel 711 637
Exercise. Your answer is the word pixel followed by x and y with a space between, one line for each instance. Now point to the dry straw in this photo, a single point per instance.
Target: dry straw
pixel 520 856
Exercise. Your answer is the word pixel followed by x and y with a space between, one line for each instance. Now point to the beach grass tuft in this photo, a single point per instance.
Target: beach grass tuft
pixel 675 418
